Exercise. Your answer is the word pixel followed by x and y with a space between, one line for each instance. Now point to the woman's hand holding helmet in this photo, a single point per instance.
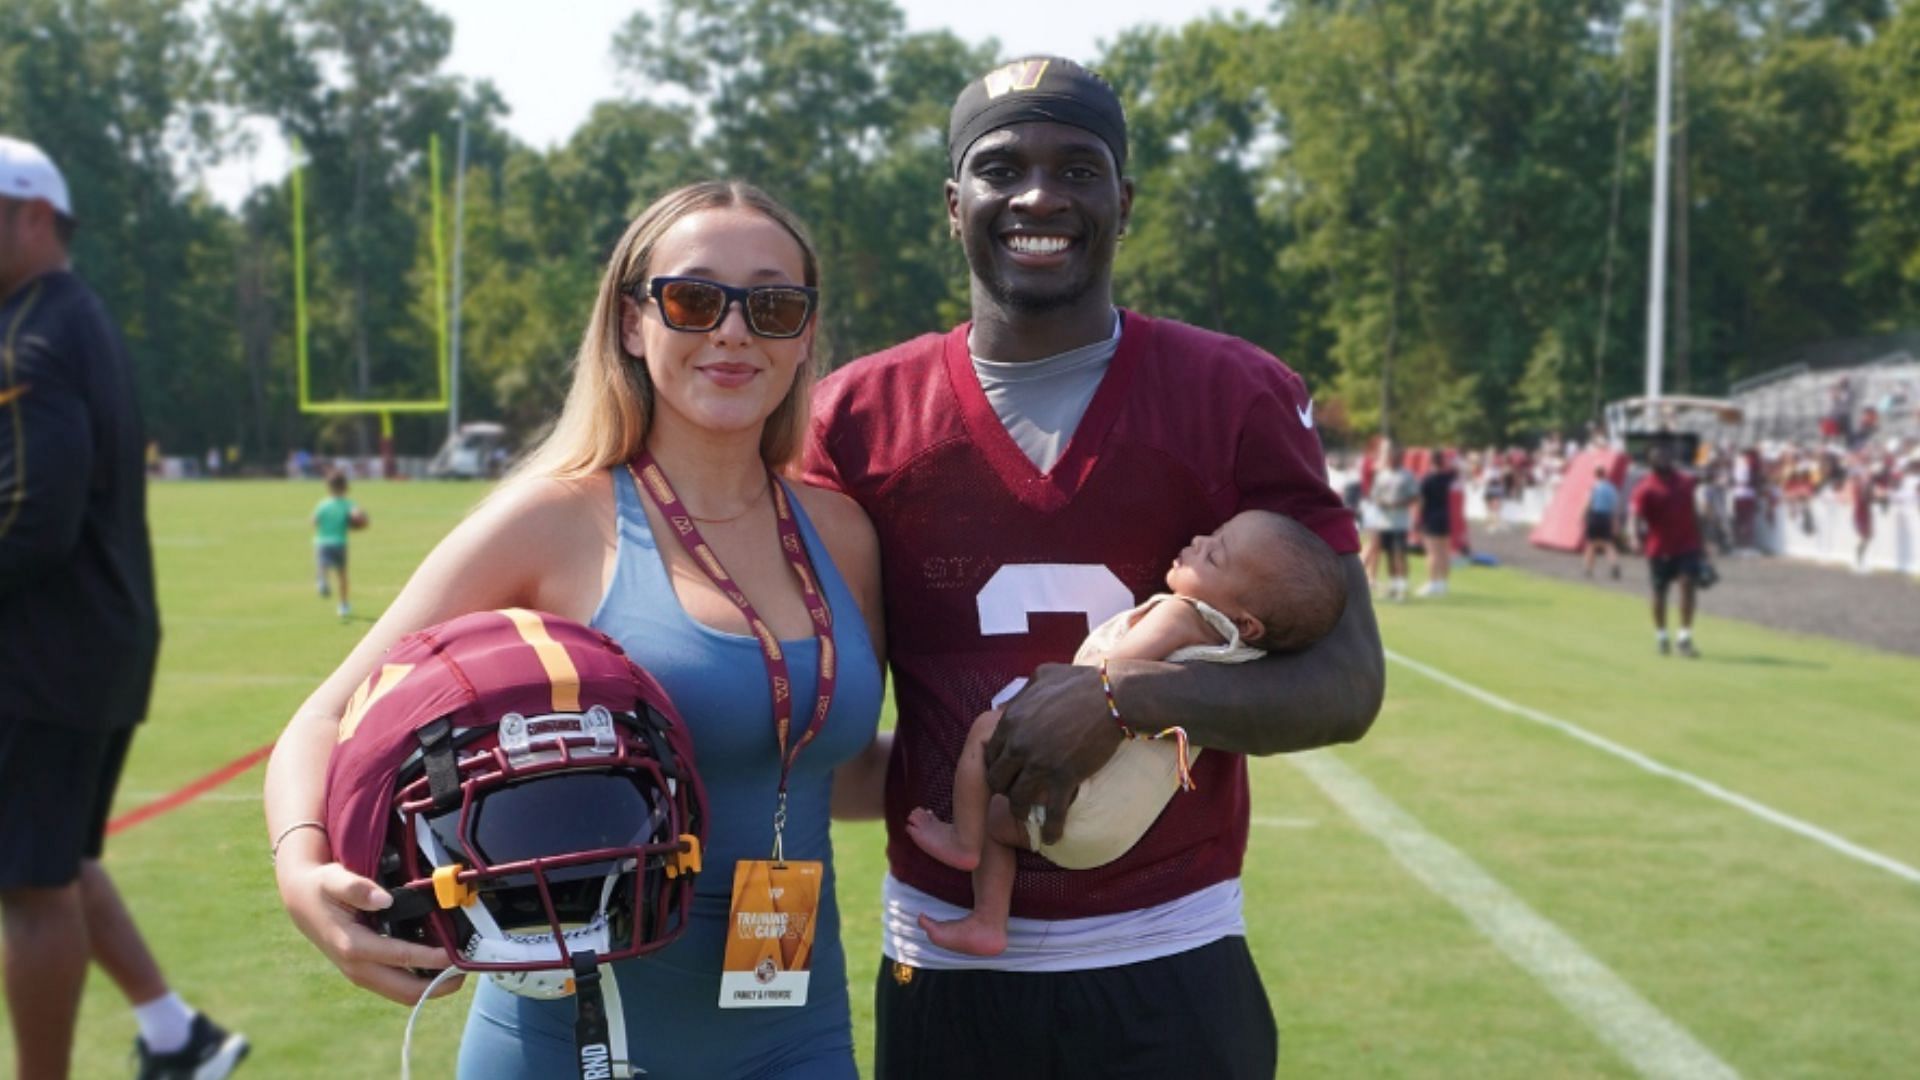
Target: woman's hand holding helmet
pixel 327 902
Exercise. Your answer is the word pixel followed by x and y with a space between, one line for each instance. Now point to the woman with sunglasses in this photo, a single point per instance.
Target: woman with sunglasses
pixel 690 393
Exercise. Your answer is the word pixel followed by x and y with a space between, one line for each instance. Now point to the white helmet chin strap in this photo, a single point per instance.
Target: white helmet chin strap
pixel 491 947
pixel 490 944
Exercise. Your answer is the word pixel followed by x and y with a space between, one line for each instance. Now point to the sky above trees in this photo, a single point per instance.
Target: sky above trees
pixel 1410 201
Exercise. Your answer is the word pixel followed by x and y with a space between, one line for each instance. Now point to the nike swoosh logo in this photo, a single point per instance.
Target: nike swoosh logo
pixel 1306 415
pixel 14 393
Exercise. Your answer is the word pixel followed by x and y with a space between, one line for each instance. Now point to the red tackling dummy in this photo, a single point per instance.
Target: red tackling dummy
pixel 1564 525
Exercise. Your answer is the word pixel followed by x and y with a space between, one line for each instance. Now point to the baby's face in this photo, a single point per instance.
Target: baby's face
pixel 1222 567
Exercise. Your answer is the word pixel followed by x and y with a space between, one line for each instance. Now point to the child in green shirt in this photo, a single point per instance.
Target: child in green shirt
pixel 335 515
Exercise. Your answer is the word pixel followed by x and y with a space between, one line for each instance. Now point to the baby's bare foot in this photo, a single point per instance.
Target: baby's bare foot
pixel 973 935
pixel 941 840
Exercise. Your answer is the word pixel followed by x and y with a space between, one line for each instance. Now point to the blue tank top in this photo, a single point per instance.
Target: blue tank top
pixel 718 683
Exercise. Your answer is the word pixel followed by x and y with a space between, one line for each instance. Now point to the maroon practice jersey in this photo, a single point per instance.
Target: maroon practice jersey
pixel 1665 503
pixel 993 567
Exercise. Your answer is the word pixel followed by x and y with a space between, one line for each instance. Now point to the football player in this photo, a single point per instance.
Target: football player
pixel 1030 474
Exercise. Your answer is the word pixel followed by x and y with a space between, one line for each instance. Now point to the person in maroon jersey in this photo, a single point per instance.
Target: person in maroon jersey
pixel 1031 474
pixel 1662 520
pixel 1259 583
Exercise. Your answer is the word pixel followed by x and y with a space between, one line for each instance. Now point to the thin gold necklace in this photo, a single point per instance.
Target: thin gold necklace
pixel 752 504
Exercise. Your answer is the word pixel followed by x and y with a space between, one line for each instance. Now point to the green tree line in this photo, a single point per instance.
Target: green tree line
pixel 1436 210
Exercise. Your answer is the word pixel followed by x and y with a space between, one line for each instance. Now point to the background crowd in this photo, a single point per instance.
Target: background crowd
pixel 1772 497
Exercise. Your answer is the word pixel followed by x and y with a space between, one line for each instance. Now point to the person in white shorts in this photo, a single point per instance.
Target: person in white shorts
pixel 1261 583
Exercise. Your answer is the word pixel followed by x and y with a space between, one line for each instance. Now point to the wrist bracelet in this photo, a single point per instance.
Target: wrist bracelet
pixel 1176 733
pixel 1113 705
pixel 273 851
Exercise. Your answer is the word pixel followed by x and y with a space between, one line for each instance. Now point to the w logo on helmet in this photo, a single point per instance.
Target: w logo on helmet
pixel 372 689
pixel 1019 75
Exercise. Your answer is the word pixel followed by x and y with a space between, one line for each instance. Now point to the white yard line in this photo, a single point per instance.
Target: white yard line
pixel 1760 810
pixel 1643 1036
pixel 1285 822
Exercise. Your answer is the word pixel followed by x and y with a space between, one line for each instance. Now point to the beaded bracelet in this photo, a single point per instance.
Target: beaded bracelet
pixel 1176 733
pixel 1113 706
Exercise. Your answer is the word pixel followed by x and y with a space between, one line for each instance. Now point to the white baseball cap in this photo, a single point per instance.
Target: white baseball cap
pixel 26 172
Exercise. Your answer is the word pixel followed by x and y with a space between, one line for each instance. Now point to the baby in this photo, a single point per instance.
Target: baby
pixel 1261 583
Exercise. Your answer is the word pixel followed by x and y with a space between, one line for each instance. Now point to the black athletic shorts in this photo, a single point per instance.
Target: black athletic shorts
pixel 1438 523
pixel 56 788
pixel 1599 526
pixel 1666 569
pixel 1393 541
pixel 1201 1013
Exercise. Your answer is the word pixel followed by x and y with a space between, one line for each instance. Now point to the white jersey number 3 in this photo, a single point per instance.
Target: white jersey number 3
pixel 1015 592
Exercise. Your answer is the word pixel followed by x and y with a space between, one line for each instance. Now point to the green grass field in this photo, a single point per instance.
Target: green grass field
pixel 1778 955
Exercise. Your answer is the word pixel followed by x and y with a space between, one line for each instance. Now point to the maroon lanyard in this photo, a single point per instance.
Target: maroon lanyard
pixel 651 477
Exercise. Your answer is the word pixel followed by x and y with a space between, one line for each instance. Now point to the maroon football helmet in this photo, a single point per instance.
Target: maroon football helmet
pixel 526 793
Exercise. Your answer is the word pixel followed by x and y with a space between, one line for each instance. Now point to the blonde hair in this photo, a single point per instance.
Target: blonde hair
pixel 609 407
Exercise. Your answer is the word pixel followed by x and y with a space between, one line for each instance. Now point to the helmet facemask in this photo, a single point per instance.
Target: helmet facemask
pixel 550 836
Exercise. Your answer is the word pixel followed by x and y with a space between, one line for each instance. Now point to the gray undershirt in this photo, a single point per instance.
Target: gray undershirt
pixel 1041 401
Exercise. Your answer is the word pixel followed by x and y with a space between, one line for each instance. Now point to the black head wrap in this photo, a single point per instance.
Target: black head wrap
pixel 1037 88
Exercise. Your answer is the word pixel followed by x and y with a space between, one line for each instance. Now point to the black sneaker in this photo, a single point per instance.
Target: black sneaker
pixel 1687 650
pixel 211 1053
pixel 1665 646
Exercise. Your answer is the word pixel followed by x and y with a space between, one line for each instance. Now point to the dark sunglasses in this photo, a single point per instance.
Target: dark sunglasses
pixel 698 305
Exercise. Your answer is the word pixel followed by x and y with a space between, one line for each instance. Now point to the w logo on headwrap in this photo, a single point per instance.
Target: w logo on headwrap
pixel 1019 75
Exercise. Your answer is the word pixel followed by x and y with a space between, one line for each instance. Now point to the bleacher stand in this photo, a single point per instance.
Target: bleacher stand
pixel 1797 404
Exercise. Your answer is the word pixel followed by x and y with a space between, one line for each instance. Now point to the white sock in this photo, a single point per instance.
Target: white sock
pixel 165 1023
pixel 1660 637
pixel 1686 633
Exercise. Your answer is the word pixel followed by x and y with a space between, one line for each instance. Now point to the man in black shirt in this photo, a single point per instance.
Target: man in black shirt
pixel 79 634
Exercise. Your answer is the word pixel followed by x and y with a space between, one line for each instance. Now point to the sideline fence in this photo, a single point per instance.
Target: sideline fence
pixel 1824 533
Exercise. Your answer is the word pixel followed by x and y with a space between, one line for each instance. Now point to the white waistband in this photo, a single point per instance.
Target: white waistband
pixel 1130 937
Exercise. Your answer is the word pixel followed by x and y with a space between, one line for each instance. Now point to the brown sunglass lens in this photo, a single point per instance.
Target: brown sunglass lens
pixel 691 305
pixel 777 312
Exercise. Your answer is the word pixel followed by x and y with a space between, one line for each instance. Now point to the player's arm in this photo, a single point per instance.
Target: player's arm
pixel 1325 694
pixel 46 457
pixel 538 545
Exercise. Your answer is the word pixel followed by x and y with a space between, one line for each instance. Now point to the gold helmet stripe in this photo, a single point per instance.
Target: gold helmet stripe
pixel 553 657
